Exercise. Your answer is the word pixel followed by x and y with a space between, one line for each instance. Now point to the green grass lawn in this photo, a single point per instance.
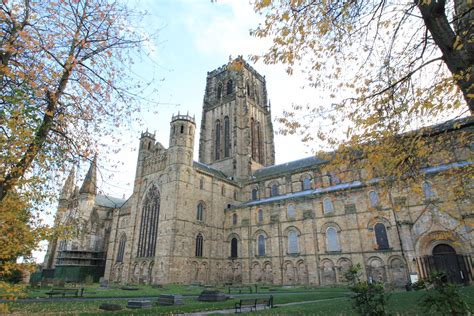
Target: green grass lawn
pixel 339 303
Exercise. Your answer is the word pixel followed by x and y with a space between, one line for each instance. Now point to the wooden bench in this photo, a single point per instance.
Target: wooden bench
pixel 240 288
pixel 254 302
pixel 249 302
pixel 64 292
pixel 265 302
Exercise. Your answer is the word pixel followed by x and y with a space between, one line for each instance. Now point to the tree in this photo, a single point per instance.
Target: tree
pixel 64 84
pixel 389 67
pixel 62 79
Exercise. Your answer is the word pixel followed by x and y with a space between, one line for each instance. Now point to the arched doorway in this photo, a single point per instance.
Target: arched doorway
pixel 446 260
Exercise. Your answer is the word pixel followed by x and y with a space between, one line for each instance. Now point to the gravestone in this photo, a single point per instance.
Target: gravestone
pixel 212 296
pixel 103 283
pixel 137 304
pixel 110 307
pixel 170 299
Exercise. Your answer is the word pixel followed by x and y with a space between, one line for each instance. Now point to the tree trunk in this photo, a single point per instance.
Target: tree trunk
pixel 457 50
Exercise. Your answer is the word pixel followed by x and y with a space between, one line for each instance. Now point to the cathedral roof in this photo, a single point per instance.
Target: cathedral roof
pixel 109 201
pixel 206 168
pixel 291 166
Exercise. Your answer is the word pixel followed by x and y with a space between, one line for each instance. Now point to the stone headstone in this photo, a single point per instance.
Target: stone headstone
pixel 212 296
pixel 103 282
pixel 137 304
pixel 110 307
pixel 170 299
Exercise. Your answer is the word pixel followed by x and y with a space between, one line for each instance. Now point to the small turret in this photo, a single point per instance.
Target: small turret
pixel 147 140
pixel 90 182
pixel 182 130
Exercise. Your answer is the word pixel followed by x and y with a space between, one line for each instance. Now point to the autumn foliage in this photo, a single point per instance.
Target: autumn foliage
pixel 64 84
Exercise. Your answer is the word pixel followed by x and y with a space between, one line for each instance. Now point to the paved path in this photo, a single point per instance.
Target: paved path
pixel 232 311
pixel 73 298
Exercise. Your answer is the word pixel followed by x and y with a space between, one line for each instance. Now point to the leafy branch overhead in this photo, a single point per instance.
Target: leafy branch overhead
pixel 380 69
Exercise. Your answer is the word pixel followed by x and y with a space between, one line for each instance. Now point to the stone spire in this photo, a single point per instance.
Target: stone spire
pixel 68 188
pixel 90 182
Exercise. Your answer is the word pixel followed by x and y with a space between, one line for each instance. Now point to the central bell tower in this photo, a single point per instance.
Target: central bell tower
pixel 236 127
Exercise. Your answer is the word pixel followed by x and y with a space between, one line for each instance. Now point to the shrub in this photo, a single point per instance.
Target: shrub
pixel 368 298
pixel 443 297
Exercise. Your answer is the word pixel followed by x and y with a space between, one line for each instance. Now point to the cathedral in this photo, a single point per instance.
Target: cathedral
pixel 236 217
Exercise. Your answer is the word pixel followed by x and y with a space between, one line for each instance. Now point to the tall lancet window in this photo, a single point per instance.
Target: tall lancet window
pixel 226 137
pixel 149 223
pixel 259 143
pixel 230 87
pixel 252 138
pixel 121 248
pixel 218 140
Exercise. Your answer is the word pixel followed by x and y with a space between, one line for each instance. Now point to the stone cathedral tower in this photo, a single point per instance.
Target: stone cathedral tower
pixel 236 128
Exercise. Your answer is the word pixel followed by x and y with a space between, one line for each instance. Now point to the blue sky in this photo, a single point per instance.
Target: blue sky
pixel 191 37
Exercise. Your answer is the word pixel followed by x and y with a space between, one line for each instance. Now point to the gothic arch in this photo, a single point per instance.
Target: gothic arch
pixel 267 272
pixel 229 87
pixel 150 214
pixel 227 145
pixel 217 140
pixel 121 247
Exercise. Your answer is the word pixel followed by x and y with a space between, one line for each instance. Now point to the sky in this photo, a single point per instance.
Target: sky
pixel 190 38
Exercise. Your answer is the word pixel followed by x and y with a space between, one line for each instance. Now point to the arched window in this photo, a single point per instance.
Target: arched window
pixel 199 244
pixel 381 236
pixel 428 191
pixel 261 245
pixel 219 91
pixel 291 211
pixel 234 219
pixel 332 242
pixel 306 183
pixel 274 189
pixel 121 248
pixel 233 248
pixel 218 140
pixel 327 206
pixel 230 87
pixel 226 137
pixel 200 212
pixel 374 199
pixel 292 242
pixel 182 129
pixel 260 216
pixel 254 194
pixel 149 224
